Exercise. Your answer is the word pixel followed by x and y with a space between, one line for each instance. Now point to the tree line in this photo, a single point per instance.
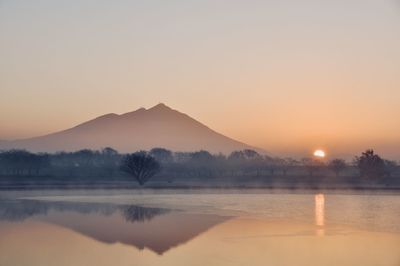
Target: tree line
pixel 143 165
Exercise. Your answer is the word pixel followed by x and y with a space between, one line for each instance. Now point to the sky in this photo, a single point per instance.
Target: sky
pixel 286 76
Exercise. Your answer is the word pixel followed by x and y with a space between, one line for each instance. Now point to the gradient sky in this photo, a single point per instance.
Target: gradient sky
pixel 287 76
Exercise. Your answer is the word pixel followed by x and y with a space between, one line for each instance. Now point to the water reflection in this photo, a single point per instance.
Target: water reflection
pixel 157 229
pixel 23 209
pixel 320 214
pixel 37 233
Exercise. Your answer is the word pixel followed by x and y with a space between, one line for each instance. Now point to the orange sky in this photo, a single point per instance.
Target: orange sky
pixel 288 77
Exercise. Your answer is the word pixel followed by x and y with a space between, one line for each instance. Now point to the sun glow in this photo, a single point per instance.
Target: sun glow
pixel 319 153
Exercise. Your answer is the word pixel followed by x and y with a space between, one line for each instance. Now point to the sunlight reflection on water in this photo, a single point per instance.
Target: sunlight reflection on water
pixel 200 229
pixel 320 214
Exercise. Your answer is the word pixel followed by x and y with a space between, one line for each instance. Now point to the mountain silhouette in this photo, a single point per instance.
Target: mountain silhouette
pixel 143 129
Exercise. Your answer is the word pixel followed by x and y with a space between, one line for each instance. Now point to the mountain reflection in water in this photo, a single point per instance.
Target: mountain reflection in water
pixel 157 229
pixel 208 229
pixel 24 209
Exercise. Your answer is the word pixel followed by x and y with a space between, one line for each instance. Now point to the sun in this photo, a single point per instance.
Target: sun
pixel 319 153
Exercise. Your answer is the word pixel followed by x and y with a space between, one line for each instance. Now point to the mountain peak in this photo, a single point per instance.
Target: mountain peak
pixel 160 106
pixel 107 116
pixel 136 112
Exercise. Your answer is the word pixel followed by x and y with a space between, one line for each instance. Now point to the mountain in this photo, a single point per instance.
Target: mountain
pixel 159 126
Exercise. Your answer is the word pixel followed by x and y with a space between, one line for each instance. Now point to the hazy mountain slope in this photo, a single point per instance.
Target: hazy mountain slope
pixel 159 126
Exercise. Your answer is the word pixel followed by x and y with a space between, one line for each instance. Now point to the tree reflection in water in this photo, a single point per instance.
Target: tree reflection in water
pixel 156 229
pixel 135 213
pixel 18 211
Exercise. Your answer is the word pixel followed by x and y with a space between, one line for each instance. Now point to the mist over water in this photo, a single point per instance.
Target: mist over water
pixel 167 226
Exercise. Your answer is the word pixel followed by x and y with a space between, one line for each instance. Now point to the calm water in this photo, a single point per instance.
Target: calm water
pixel 193 228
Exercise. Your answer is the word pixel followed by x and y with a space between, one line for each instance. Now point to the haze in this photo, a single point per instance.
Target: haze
pixel 286 76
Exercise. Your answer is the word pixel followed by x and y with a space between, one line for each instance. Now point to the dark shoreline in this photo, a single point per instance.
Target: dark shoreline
pixel 191 187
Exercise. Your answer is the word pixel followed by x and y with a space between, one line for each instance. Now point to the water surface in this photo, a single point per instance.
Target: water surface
pixel 199 228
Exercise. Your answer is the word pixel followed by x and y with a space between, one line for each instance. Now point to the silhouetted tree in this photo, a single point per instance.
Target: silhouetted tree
pixel 182 157
pixel 284 164
pixel 312 165
pixel 21 162
pixel 337 166
pixel 246 161
pixel 251 154
pixel 202 163
pixel 271 164
pixel 108 160
pixel 141 166
pixel 108 151
pixel 390 167
pixel 162 155
pixel 237 156
pixel 236 161
pixel 84 158
pixel 370 164
pixel 290 163
pixel 202 156
pixel 253 162
pixel 178 166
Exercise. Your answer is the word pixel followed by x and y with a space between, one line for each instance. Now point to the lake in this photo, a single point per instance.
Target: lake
pixel 199 227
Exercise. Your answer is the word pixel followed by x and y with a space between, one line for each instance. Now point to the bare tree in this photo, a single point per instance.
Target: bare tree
pixel 141 166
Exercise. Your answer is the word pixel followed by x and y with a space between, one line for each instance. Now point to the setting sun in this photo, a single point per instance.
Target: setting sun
pixel 319 153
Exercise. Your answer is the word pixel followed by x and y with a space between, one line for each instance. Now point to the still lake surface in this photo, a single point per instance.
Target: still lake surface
pixel 207 227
